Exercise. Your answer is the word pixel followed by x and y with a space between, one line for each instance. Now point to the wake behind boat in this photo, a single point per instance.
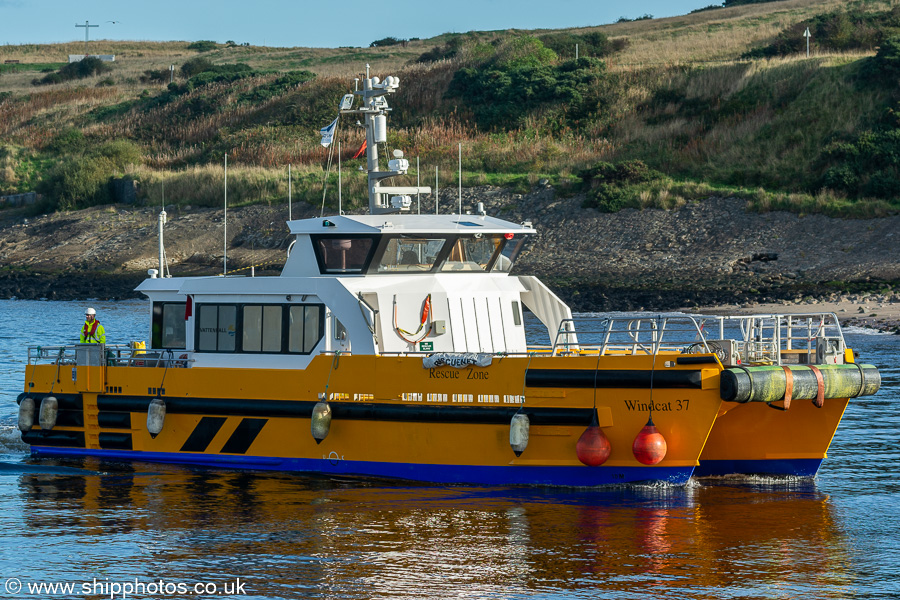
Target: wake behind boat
pixel 393 345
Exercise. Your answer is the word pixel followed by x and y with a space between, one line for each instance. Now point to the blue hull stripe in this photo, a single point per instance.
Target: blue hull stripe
pixel 798 467
pixel 477 475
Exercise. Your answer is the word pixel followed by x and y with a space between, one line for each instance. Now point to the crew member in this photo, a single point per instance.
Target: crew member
pixel 92 332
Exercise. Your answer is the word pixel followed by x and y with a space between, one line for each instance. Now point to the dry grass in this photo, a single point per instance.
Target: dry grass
pixel 135 57
pixel 694 54
pixel 715 35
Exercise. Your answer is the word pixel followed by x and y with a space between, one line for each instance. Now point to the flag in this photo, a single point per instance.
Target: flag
pixel 361 150
pixel 328 133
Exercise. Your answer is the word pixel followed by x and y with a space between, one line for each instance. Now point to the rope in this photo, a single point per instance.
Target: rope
pixel 162 386
pixel 334 364
pixel 328 163
pixel 262 264
pixel 59 358
pixel 426 315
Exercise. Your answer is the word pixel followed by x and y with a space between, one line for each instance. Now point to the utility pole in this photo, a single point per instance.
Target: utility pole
pixel 87 28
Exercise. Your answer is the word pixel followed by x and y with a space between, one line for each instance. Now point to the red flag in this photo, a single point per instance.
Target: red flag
pixel 361 150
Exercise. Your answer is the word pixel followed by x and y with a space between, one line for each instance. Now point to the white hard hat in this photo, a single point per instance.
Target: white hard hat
pixel 90 311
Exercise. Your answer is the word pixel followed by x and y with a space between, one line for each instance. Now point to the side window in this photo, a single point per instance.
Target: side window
pixel 216 327
pixel 259 328
pixel 262 327
pixel 517 315
pixel 168 325
pixel 511 248
pixel 305 328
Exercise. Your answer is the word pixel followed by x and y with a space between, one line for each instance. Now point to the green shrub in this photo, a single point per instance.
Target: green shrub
pixel 276 87
pixel 195 66
pixel 643 17
pixel 729 3
pixel 842 178
pixel 219 74
pixel 82 180
pixel 610 198
pixel 523 78
pixel 449 50
pixel 48 79
pixel 883 69
pixel 867 167
pixel 86 67
pixel 594 43
pixel 67 141
pixel 388 41
pixel 203 46
pixel 155 76
pixel 705 8
pixel 612 187
pixel 882 184
pixel 120 153
pixel 851 29
pixel 629 171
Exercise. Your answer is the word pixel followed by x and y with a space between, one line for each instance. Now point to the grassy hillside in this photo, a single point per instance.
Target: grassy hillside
pixel 677 109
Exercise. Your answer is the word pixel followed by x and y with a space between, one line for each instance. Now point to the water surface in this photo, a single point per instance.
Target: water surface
pixel 107 523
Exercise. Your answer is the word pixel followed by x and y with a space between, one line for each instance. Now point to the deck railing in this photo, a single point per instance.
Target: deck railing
pixel 757 339
pixel 110 355
pixel 809 338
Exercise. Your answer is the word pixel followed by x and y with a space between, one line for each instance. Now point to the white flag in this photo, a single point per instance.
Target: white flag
pixel 328 133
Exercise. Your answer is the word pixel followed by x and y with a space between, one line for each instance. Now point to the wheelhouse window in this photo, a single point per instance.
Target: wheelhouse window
pixel 343 254
pixel 407 254
pixel 512 246
pixel 168 325
pixel 475 253
pixel 260 328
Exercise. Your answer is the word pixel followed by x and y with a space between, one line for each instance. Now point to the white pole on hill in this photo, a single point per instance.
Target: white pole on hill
pixel 225 221
pixel 460 178
pixel 340 211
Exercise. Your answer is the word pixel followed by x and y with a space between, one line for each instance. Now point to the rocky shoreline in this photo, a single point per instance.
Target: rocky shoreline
pixel 706 254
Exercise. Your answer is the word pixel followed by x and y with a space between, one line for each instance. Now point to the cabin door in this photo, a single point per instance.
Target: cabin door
pixel 369 308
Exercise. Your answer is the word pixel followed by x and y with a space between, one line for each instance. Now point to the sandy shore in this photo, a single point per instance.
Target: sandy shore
pixel 874 312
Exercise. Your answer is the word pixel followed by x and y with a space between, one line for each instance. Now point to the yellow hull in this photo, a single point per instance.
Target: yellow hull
pixel 748 437
pixel 392 417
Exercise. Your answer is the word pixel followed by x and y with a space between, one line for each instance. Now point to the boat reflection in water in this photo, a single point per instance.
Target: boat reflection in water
pixel 287 536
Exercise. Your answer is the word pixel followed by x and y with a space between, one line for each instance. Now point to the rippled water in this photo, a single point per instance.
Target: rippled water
pixel 99 523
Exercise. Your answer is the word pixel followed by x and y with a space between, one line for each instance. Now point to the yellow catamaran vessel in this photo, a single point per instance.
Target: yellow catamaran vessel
pixel 393 345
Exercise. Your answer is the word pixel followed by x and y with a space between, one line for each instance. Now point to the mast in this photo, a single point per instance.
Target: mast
pixel 374 109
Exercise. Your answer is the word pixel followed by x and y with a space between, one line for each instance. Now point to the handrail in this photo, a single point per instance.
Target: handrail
pixel 113 355
pixel 626 335
pixel 764 338
pixel 747 339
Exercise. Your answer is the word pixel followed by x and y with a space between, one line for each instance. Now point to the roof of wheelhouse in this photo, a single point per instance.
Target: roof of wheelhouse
pixel 400 223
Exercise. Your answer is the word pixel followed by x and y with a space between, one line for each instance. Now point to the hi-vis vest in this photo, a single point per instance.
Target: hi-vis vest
pixel 93 333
